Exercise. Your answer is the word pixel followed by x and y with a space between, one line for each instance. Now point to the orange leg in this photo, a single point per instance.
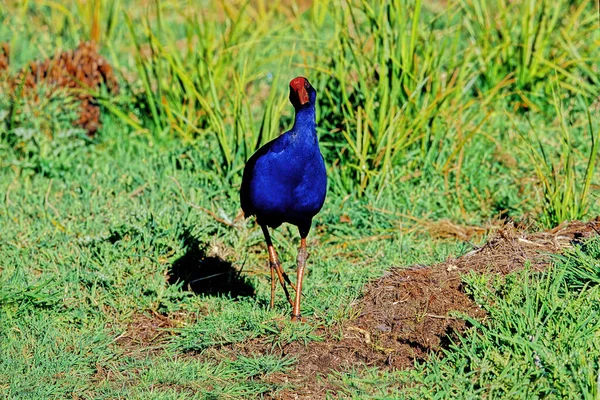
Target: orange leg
pixel 276 267
pixel 272 285
pixel 284 276
pixel 301 260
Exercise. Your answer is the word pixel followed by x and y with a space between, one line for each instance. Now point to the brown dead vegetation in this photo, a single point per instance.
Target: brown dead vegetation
pixel 81 72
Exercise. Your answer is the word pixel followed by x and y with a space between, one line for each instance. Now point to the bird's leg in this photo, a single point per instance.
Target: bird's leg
pixel 272 304
pixel 275 267
pixel 301 260
pixel 285 277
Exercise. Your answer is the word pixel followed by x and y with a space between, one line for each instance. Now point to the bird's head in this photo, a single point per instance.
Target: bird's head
pixel 302 92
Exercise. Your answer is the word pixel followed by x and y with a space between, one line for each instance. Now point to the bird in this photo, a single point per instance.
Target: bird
pixel 285 181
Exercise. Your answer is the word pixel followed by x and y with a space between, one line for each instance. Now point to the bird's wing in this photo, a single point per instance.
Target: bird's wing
pixel 272 148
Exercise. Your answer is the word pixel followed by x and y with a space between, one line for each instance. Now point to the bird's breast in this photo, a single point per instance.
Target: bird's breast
pixel 290 184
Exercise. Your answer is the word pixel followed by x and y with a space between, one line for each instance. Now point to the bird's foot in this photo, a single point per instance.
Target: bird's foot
pixel 298 318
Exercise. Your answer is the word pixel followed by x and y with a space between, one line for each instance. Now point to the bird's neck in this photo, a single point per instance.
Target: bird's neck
pixel 305 120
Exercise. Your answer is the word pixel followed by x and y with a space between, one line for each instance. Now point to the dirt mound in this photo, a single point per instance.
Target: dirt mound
pixel 409 313
pixel 80 71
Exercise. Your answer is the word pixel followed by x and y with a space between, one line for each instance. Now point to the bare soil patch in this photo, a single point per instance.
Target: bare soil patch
pixel 145 333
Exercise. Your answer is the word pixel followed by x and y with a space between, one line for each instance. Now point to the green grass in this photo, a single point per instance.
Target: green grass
pixel 565 187
pixel 471 112
pixel 80 255
pixel 540 340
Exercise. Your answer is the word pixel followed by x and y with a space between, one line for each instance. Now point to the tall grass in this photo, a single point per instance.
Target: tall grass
pixel 203 80
pixel 36 29
pixel 532 40
pixel 393 91
pixel 415 87
pixel 400 82
pixel 565 173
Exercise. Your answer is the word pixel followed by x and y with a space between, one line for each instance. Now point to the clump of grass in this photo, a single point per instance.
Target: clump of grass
pixel 532 41
pixel 564 186
pixel 391 96
pixel 38 127
pixel 539 338
pixel 388 90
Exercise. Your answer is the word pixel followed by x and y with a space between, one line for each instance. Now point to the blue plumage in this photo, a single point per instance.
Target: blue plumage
pixel 286 180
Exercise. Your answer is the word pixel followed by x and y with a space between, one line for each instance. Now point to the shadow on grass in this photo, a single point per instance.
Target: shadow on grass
pixel 203 274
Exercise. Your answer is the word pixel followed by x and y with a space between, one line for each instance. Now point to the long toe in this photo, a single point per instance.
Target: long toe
pixel 298 318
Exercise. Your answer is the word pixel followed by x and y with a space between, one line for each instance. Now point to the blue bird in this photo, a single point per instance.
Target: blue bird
pixel 286 181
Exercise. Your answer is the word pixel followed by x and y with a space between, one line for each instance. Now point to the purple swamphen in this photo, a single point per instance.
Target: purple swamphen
pixel 286 181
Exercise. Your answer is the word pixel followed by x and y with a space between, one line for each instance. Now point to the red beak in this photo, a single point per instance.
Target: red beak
pixel 302 96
